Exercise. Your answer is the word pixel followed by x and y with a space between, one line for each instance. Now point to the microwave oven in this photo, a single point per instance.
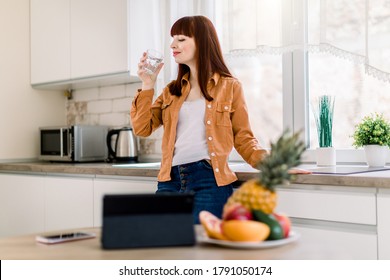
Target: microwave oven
pixel 78 143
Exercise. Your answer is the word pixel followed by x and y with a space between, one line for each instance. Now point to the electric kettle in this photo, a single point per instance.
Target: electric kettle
pixel 126 149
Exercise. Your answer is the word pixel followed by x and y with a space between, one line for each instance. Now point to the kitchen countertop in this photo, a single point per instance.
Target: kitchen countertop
pixel 26 248
pixel 76 168
pixel 244 172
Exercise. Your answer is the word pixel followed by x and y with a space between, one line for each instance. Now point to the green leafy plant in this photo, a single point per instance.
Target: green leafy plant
pixel 324 120
pixel 372 130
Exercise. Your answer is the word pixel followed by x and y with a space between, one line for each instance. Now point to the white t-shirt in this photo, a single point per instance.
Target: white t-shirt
pixel 191 145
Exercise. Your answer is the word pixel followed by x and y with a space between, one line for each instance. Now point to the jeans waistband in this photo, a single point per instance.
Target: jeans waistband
pixel 193 163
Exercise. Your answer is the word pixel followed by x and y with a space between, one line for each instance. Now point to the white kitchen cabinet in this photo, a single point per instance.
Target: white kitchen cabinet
pixel 68 202
pixel 329 203
pixel 384 224
pixel 21 204
pixel 53 202
pixel 50 38
pixel 98 37
pixel 126 185
pixel 86 43
pixel 343 217
pixel 37 203
pixel 341 242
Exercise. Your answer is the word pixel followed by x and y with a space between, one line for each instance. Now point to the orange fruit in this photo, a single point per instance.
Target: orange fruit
pixel 245 230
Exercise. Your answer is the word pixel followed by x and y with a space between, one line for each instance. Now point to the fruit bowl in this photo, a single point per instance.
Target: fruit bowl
pixel 245 229
pixel 202 238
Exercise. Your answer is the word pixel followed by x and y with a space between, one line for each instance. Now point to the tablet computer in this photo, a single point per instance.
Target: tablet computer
pixel 147 220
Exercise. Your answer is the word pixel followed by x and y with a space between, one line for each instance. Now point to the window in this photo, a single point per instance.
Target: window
pixel 339 47
pixel 254 57
pixel 340 74
pixel 261 78
pixel 357 95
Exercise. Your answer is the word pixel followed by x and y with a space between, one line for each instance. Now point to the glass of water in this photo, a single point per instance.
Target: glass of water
pixel 153 60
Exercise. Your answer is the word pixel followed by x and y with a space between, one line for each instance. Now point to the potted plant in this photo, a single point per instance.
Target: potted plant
pixel 373 133
pixel 326 154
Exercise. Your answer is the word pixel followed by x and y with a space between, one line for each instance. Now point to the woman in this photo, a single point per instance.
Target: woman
pixel 204 115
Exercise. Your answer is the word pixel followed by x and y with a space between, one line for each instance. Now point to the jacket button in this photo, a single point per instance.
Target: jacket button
pixel 216 169
pixel 208 122
pixel 226 107
pixel 210 138
pixel 213 154
pixel 209 106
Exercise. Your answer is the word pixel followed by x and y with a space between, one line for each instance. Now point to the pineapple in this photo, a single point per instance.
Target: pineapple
pixel 259 193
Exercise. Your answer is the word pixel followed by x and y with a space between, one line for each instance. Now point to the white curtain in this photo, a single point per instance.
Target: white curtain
pixel 358 30
pixel 253 26
pixel 378 39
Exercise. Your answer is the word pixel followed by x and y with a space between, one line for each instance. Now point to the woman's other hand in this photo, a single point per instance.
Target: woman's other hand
pixel 299 171
pixel 148 80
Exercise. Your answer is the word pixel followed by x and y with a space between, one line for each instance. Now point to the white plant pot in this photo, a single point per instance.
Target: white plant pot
pixel 326 156
pixel 376 155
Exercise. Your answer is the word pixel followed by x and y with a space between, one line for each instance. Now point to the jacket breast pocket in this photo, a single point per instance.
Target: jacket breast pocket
pixel 166 108
pixel 223 113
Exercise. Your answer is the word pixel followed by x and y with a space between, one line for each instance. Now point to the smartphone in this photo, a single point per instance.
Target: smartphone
pixel 64 237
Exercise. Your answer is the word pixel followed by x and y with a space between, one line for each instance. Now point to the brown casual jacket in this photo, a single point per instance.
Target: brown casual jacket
pixel 226 120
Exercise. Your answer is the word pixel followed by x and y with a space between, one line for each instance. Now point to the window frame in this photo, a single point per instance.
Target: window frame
pixel 296 87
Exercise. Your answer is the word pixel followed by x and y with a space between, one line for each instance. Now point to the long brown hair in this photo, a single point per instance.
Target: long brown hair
pixel 208 52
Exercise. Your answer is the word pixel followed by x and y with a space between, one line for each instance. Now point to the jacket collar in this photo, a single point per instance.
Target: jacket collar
pixel 215 78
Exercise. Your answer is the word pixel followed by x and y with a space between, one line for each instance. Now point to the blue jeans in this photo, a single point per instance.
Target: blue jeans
pixel 198 178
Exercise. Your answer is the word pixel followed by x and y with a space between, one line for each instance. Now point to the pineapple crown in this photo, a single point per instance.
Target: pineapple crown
pixel 285 153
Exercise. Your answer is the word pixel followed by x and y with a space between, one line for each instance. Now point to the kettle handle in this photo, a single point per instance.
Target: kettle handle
pixel 108 139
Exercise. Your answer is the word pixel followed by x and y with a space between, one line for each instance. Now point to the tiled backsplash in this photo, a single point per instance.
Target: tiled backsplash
pixel 110 106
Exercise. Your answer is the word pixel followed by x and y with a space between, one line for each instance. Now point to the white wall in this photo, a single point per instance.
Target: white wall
pixel 22 109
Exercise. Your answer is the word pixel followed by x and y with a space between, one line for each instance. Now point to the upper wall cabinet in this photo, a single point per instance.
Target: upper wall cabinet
pixel 50 41
pixel 85 43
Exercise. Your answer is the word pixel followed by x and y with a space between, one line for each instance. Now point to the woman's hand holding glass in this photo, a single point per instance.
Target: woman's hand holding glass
pixel 148 77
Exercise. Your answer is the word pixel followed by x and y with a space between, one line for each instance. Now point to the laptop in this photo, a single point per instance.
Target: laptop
pixel 147 220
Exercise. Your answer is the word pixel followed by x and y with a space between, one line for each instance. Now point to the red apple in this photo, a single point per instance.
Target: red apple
pixel 236 212
pixel 285 222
